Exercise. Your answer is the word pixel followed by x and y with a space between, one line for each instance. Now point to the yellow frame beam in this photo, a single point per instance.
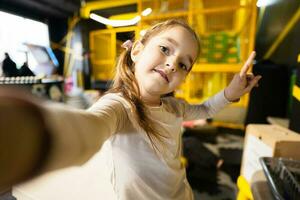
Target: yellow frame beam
pixel 218 10
pixel 203 67
pixel 98 5
pixel 296 92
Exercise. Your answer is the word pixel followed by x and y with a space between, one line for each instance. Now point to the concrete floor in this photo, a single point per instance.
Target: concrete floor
pixel 227 145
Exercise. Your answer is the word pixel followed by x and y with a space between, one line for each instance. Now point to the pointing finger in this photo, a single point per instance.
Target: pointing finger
pixel 247 64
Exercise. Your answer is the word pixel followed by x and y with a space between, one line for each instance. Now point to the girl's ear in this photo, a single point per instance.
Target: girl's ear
pixel 136 50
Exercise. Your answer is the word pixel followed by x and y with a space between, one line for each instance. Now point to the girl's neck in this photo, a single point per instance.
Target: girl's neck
pixel 151 100
pixel 154 104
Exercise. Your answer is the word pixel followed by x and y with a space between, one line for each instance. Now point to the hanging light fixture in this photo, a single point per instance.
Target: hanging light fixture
pixel 146 12
pixel 119 23
pixel 262 3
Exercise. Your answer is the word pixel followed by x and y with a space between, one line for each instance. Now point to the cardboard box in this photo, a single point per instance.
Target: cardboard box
pixel 267 140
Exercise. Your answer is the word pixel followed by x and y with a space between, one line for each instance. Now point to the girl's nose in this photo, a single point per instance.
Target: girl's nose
pixel 171 67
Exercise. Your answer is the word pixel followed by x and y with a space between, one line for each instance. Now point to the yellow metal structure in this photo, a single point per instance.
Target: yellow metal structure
pixel 244 189
pixel 296 92
pixel 105 48
pixel 88 7
pixel 296 89
pixel 226 29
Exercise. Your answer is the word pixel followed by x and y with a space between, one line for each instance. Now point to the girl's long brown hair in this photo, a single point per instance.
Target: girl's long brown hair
pixel 126 83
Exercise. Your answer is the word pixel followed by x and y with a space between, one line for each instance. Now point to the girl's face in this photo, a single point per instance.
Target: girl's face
pixel 164 61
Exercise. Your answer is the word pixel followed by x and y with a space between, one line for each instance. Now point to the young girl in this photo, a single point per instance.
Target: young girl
pixel 138 123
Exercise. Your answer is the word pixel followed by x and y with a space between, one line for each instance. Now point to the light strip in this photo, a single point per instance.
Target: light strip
pixel 262 3
pixel 115 23
pixel 146 12
pixel 118 23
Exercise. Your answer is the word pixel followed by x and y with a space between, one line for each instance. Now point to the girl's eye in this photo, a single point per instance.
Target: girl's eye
pixel 183 66
pixel 164 49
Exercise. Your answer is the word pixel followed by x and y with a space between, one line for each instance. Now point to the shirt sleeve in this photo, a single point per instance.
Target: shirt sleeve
pixel 76 135
pixel 205 110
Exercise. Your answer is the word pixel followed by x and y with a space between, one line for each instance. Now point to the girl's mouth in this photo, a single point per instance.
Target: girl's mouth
pixel 162 74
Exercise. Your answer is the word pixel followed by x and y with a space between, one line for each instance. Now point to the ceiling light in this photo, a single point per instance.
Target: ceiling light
pixel 143 32
pixel 115 23
pixel 146 12
pixel 262 3
pixel 118 23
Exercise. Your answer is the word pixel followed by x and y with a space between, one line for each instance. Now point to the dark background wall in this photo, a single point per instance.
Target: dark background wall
pixel 275 18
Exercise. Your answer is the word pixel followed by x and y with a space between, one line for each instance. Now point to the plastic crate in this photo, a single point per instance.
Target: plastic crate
pixel 283 177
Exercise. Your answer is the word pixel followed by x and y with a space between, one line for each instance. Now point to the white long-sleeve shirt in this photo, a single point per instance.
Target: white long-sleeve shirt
pixel 134 170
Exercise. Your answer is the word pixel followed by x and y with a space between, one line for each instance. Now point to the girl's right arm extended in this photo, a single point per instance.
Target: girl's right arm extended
pixel 36 137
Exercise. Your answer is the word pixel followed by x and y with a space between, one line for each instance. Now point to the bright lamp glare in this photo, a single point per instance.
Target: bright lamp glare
pixel 118 23
pixel 142 32
pixel 115 23
pixel 262 3
pixel 146 11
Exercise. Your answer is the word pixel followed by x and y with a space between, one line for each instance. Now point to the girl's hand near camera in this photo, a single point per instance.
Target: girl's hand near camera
pixel 23 137
pixel 243 82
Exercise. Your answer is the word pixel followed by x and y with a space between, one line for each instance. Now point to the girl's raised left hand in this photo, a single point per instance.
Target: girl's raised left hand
pixel 243 82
